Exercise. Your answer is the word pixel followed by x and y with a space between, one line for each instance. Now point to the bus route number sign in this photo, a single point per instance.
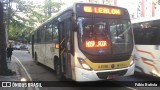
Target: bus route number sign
pixel 91 44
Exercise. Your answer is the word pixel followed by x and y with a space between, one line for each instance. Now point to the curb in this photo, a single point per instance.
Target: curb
pixel 22 72
pixel 16 70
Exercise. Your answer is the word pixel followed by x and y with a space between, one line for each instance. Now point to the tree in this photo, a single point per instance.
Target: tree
pixel 27 16
pixel 23 19
pixel 51 7
pixel 3 64
pixel 108 2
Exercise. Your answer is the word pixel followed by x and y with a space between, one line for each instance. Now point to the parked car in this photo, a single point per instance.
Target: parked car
pixel 23 47
pixel 17 47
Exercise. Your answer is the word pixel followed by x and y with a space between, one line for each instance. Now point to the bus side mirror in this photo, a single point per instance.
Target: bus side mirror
pixel 57 46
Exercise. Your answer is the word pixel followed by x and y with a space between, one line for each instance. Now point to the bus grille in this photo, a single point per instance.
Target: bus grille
pixel 104 75
pixel 101 59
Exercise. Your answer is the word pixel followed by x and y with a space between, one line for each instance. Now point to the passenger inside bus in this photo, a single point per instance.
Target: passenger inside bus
pixel 88 31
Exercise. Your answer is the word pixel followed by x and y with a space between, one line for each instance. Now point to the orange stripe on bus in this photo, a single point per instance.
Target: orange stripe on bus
pixel 152 65
pixel 147 53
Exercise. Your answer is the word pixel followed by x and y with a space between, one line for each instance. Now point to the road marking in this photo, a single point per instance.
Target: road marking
pixel 36 88
pixel 30 79
pixel 131 88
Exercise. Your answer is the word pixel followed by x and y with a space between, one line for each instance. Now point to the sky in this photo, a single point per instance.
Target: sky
pixel 39 1
pixel 67 2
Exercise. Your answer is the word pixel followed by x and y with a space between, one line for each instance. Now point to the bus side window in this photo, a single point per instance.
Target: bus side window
pixel 55 32
pixel 48 33
pixel 68 34
pixel 35 37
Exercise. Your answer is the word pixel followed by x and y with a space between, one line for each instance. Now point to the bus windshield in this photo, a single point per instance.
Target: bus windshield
pixel 101 36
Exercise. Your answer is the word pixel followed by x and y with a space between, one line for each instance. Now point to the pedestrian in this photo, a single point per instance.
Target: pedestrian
pixel 9 52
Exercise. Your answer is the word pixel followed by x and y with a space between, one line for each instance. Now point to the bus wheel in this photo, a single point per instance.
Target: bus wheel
pixel 36 59
pixel 59 73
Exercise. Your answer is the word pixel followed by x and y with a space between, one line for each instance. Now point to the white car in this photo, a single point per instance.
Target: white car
pixel 17 47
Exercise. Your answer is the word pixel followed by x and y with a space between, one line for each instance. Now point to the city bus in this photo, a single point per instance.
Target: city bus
pixel 86 42
pixel 147 43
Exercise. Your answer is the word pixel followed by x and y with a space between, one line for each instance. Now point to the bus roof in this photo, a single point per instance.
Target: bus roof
pixel 71 8
pixel 144 19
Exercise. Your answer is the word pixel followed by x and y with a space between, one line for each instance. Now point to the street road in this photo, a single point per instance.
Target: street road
pixel 43 73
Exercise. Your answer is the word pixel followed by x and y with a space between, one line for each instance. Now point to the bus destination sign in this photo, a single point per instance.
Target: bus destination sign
pixel 102 10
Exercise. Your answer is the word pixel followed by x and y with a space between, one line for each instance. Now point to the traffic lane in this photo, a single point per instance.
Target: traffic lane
pixel 97 85
pixel 84 88
pixel 138 77
pixel 139 80
pixel 40 72
pixel 36 72
pixel 43 73
pixel 22 55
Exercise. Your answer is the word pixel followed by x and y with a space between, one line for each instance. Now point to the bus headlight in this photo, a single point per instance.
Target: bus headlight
pixel 84 64
pixel 132 62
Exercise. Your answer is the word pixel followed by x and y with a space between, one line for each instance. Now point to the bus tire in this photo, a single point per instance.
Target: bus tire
pixel 36 59
pixel 59 73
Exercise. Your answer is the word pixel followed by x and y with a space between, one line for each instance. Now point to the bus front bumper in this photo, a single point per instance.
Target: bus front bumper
pixel 83 75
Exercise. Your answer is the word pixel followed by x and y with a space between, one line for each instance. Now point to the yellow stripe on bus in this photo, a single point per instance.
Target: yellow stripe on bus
pixel 109 66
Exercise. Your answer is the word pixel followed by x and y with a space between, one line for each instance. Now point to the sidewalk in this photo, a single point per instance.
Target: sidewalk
pixel 16 68
pixel 13 67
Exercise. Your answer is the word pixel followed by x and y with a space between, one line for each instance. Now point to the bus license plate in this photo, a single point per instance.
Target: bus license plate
pixel 111 76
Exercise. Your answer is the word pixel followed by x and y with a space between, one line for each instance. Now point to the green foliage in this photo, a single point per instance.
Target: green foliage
pixel 109 1
pixel 51 7
pixel 27 16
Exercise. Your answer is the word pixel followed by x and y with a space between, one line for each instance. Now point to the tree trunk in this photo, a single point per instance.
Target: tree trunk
pixel 3 63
